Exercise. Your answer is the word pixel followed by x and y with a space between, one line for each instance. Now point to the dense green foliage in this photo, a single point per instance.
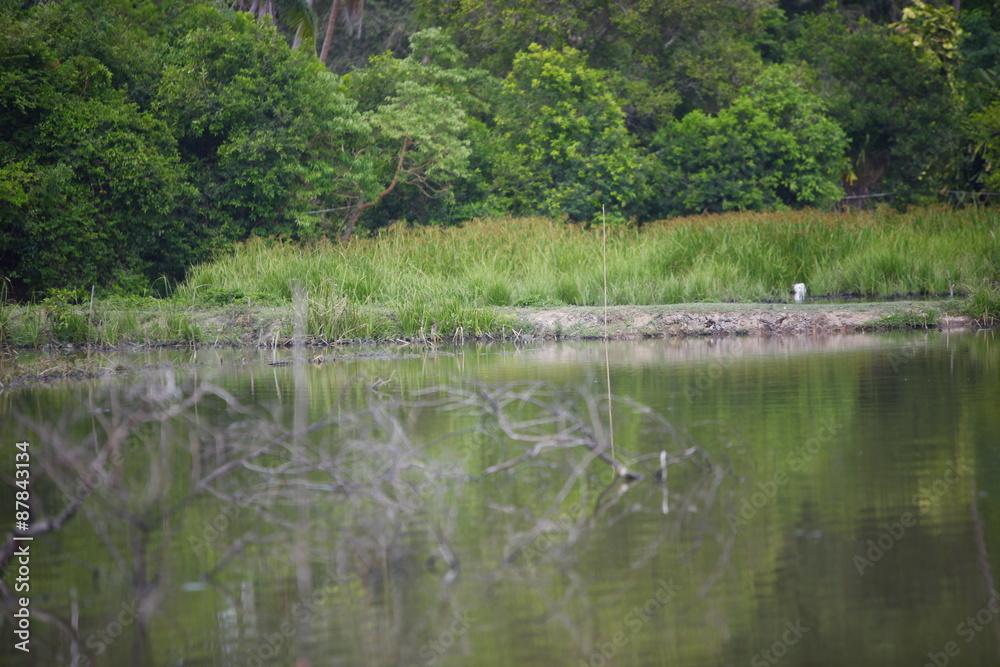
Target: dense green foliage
pixel 563 146
pixel 260 125
pixel 892 100
pixel 772 148
pixel 139 138
pixel 135 157
pixel 421 110
pixel 91 180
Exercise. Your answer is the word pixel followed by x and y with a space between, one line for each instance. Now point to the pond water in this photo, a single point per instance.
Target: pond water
pixel 829 501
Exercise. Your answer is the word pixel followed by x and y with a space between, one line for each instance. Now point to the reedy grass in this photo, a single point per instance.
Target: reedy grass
pixel 421 274
pixel 928 319
pixel 983 303
pixel 112 323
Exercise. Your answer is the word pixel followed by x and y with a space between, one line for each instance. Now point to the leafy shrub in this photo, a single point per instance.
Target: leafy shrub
pixel 89 181
pixel 562 145
pixel 773 148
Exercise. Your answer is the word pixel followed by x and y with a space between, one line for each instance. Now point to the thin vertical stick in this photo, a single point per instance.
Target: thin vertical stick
pixel 90 321
pixel 604 256
pixel 607 362
pixel 663 478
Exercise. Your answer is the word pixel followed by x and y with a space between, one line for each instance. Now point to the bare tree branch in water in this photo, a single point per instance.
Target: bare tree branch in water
pixel 121 478
pixel 365 493
pixel 547 419
pixel 541 423
pixel 541 427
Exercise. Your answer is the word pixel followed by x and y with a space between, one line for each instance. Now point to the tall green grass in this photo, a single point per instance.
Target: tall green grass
pixel 113 322
pixel 422 276
pixel 983 303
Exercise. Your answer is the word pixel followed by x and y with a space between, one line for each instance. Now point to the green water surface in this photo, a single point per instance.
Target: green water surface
pixel 829 501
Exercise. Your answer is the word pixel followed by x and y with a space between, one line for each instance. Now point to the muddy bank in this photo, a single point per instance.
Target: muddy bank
pixel 713 319
pixel 271 328
pixel 633 322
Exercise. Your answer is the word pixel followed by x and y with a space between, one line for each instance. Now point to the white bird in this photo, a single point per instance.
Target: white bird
pixel 800 292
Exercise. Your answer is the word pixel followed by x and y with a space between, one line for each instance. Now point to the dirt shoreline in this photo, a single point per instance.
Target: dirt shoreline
pixel 715 319
pixel 659 321
pixel 271 326
pixel 268 327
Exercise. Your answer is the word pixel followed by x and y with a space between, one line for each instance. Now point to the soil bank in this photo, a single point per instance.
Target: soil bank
pixel 723 319
pixel 271 326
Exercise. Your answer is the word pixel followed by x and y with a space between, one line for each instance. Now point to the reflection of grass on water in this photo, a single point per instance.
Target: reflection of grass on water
pixel 432 283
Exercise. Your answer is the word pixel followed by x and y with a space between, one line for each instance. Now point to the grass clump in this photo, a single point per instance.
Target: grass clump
pixel 926 319
pixel 983 304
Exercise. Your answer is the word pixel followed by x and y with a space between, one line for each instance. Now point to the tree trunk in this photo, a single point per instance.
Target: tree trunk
pixel 351 222
pixel 330 25
pixel 356 213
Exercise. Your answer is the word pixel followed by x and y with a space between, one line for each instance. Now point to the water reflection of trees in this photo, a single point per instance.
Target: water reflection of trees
pixel 366 504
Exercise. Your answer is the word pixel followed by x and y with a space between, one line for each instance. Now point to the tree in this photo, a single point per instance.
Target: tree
pixel 935 30
pixel 984 129
pixel 354 11
pixel 425 128
pixel 893 101
pixel 773 148
pixel 493 33
pixel 298 15
pixel 419 110
pixel 90 183
pixel 697 51
pixel 562 147
pixel 265 129
pixel 130 153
